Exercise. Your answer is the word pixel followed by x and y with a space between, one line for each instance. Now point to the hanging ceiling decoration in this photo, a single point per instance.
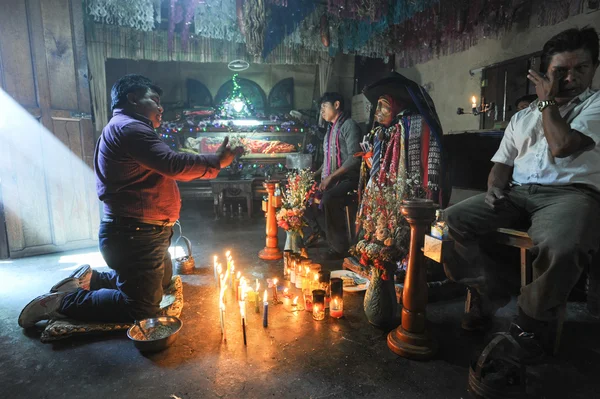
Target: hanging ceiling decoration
pixel 255 20
pixel 238 65
pixel 137 14
pixel 414 30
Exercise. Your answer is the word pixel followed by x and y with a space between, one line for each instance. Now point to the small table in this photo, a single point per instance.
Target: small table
pixel 222 188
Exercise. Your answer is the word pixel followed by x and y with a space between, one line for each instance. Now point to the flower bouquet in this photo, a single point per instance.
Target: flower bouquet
pixel 299 189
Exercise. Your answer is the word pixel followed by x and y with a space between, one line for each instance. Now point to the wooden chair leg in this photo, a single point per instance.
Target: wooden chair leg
pixel 526 267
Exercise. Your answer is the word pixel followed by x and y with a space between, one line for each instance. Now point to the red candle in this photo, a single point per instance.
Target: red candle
pixel 336 308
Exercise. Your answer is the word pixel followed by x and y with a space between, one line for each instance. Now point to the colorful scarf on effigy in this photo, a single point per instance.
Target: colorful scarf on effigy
pixel 413 152
pixel 331 147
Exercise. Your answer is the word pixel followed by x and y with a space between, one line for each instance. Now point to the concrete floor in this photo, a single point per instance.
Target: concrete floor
pixel 295 357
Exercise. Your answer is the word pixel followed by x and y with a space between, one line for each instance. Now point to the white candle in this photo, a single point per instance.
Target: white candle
pixel 215 267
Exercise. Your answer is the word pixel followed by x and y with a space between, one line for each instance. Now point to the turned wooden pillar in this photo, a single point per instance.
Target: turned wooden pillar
pixel 411 339
pixel 271 250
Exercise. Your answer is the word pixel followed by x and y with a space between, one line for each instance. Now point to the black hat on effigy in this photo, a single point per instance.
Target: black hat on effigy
pixel 394 85
pixel 407 92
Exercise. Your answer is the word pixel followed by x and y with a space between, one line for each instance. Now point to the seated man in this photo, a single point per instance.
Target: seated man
pixel 546 174
pixel 338 174
pixel 524 101
pixel 136 177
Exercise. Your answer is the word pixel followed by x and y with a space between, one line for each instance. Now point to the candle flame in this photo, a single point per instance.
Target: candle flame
pixel 257 285
pixel 285 291
pixel 307 270
pixel 316 276
pixel 335 302
pixel 265 298
pixel 316 308
pixel 295 301
pixel 219 268
pixel 243 309
pixel 238 275
pixel 474 100
pixel 275 282
pixel 228 254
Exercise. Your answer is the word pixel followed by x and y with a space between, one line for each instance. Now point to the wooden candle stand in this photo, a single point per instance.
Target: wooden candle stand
pixel 411 339
pixel 271 250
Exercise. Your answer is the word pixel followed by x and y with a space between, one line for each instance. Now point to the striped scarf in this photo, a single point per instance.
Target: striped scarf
pixel 331 147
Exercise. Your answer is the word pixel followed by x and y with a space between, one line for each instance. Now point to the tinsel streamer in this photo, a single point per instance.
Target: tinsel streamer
pixel 189 7
pixel 255 18
pixel 172 23
pixel 218 19
pixel 138 14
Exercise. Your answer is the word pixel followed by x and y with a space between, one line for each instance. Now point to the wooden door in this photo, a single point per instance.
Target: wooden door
pixel 46 168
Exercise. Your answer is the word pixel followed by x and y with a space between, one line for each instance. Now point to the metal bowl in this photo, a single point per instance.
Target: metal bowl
pixel 154 345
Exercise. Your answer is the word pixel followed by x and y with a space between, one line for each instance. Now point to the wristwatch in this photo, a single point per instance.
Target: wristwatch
pixel 543 104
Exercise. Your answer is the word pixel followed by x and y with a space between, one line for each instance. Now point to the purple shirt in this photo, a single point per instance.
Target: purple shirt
pixel 136 171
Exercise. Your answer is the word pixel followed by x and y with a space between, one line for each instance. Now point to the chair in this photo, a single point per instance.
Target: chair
pixel 520 239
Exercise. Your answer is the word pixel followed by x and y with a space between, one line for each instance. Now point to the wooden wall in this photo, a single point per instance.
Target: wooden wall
pixel 47 143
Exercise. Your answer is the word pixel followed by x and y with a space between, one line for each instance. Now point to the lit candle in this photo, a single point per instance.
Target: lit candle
pixel 222 317
pixel 295 304
pixel 222 305
pixel 299 277
pixel 275 299
pixel 473 102
pixel 318 302
pixel 286 293
pixel 315 283
pixel 228 257
pixel 215 267
pixel 220 274
pixel 265 310
pixel 308 304
pixel 292 266
pixel 237 281
pixel 318 312
pixel 243 314
pixel 232 276
pixel 256 298
pixel 306 281
pixel 336 308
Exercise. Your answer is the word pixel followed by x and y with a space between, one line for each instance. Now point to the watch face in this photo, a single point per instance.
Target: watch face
pixel 541 105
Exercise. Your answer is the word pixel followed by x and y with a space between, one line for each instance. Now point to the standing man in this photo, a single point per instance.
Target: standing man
pixel 339 175
pixel 546 174
pixel 136 176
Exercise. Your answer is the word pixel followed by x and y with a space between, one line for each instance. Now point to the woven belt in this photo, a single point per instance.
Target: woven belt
pixel 125 220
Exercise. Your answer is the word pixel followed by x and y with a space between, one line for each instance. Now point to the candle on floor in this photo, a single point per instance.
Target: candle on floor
pixel 243 314
pixel 286 293
pixel 292 267
pixel 295 304
pixel 265 310
pixel 215 268
pixel 275 299
pixel 236 282
pixel 222 317
pixel 315 285
pixel 308 300
pixel 336 308
pixel 257 298
pixel 318 305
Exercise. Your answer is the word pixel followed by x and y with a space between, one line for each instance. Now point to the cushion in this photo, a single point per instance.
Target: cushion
pixel 171 305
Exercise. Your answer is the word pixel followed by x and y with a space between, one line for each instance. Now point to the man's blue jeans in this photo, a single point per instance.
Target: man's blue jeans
pixel 141 266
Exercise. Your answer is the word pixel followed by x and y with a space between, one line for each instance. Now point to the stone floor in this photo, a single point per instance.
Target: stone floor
pixel 295 357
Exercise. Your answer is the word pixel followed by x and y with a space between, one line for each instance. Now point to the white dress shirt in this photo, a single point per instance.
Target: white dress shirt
pixel 524 145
